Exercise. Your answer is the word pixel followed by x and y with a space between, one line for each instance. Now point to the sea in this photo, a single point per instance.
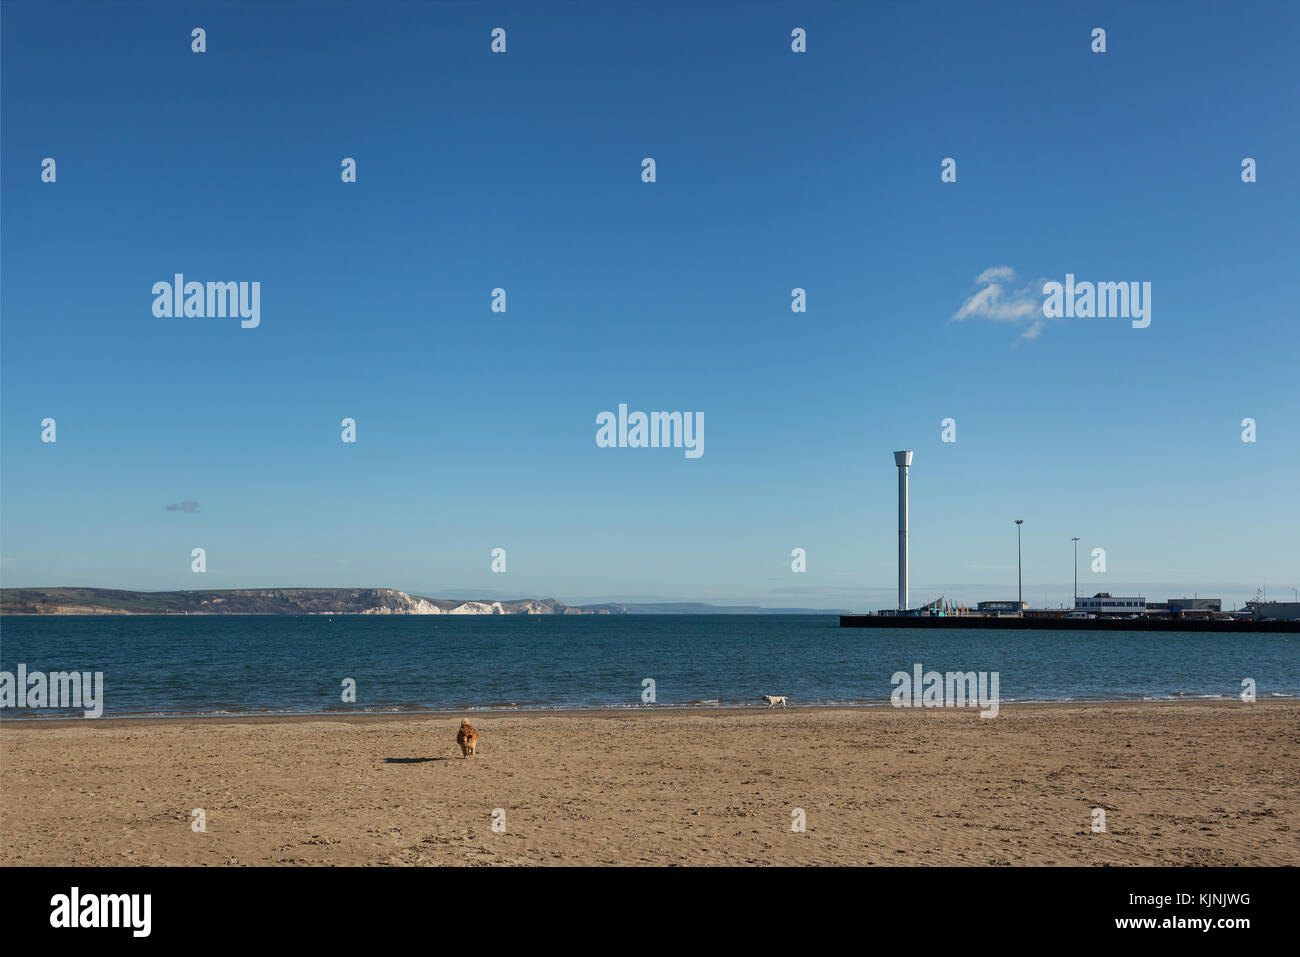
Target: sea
pixel 233 665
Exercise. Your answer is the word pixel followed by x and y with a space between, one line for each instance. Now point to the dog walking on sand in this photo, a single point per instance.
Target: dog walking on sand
pixel 467 738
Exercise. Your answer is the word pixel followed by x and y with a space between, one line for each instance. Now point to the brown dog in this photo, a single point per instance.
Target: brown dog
pixel 467 738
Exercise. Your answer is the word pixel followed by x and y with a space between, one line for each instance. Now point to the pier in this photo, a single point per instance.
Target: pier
pixel 1069 624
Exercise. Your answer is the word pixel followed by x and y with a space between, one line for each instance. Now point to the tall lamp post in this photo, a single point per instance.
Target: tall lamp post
pixel 1076 571
pixel 1020 588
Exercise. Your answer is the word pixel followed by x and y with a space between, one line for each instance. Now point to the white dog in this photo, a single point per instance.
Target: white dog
pixel 774 699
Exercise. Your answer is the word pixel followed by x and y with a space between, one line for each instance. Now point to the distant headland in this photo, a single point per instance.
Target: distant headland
pixel 333 601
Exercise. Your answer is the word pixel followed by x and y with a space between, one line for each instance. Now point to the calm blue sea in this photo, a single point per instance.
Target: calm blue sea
pixel 214 665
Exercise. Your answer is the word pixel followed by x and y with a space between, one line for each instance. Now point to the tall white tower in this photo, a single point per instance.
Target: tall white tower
pixel 904 461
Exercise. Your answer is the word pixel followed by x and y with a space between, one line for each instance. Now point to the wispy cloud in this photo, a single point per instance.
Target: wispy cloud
pixel 185 506
pixel 1001 299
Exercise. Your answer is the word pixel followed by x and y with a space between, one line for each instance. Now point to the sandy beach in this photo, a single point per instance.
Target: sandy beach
pixel 1211 783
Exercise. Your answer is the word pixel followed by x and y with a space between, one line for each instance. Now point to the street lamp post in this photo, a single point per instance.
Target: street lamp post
pixel 1020 587
pixel 1076 571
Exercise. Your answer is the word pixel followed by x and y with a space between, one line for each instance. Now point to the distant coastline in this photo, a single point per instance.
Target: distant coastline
pixel 334 601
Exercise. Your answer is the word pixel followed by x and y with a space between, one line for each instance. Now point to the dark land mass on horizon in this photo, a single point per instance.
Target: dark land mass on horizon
pixel 334 601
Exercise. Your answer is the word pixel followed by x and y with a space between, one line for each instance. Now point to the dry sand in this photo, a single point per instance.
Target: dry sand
pixel 1183 783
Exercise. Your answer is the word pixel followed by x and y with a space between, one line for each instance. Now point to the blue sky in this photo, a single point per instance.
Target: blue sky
pixel 775 170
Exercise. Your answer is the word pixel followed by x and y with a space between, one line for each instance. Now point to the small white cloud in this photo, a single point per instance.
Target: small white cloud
pixel 1001 299
pixel 995 274
pixel 1035 329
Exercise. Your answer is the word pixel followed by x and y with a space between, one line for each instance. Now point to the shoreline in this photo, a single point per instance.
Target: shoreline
pixel 307 717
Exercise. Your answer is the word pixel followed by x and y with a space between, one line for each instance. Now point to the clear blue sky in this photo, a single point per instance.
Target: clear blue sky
pixel 775 170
